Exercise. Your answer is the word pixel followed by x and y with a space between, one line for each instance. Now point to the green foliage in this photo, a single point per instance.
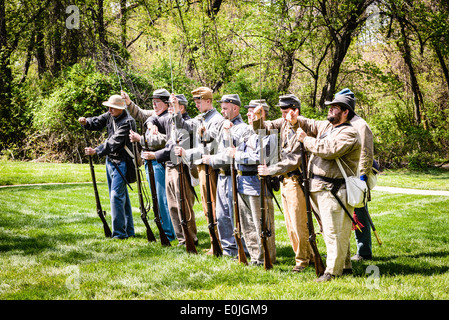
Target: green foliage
pixel 398 141
pixel 167 70
pixel 248 86
pixel 80 92
pixel 52 75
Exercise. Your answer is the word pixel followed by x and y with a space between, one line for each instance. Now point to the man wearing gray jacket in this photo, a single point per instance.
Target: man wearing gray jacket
pixel 205 128
pixel 232 132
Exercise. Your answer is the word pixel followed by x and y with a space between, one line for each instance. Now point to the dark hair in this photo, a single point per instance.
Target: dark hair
pixel 351 113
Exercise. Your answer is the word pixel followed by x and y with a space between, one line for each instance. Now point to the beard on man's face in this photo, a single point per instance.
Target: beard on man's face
pixel 335 118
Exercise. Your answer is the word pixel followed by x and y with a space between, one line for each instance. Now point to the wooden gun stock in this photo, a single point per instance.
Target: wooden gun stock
pixel 143 210
pixel 157 216
pixel 237 230
pixel 265 233
pixel 216 247
pixel 319 265
pixel 190 245
pixel 100 212
pixel 372 226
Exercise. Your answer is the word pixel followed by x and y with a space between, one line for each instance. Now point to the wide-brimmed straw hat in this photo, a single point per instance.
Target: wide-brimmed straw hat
pixel 115 101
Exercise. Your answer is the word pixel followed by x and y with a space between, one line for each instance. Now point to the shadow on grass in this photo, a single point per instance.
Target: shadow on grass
pixel 406 264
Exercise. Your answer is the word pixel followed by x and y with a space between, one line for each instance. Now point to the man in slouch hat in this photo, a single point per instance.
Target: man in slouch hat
pixel 326 141
pixel 118 123
pixel 363 237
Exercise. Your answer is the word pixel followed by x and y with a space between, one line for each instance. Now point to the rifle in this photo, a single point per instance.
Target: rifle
pixel 216 247
pixel 190 245
pixel 157 216
pixel 100 212
pixel 143 210
pixel 319 265
pixel 372 226
pixel 237 230
pixel 264 234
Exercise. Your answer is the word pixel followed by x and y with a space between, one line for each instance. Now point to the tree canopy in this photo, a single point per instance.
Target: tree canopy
pixel 60 59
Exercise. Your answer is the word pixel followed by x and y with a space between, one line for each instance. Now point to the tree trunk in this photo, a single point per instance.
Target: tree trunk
pixel 287 71
pixel 341 48
pixel 40 49
pixel 29 55
pixel 102 31
pixel 56 39
pixel 443 64
pixel 5 54
pixel 417 96
pixel 123 22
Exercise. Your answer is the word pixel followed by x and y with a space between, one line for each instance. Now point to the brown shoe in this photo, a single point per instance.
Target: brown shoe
pixel 298 269
pixel 325 277
pixel 209 252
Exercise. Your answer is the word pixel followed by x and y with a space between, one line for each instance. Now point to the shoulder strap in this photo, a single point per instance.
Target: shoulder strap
pixel 343 172
pixel 341 168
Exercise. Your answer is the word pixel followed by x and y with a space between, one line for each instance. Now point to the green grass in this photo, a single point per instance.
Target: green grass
pixel 15 172
pixel 52 247
pixel 432 179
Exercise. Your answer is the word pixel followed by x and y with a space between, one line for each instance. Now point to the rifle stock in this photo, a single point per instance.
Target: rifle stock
pixel 319 265
pixel 157 216
pixel 100 212
pixel 143 211
pixel 216 247
pixel 237 230
pixel 190 245
pixel 265 233
pixel 152 182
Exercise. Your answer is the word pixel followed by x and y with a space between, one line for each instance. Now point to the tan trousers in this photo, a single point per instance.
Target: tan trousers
pixel 337 229
pixel 203 191
pixel 172 192
pixel 250 214
pixel 295 214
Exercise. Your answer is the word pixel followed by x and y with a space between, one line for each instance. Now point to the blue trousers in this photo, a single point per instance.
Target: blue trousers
pixel 225 215
pixel 363 239
pixel 121 211
pixel 159 178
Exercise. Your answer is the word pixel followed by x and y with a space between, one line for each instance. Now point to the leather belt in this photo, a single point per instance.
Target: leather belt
pixel 225 172
pixel 246 173
pixel 335 181
pixel 291 174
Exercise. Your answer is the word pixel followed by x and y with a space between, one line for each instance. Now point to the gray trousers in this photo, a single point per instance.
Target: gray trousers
pixel 250 221
pixel 225 215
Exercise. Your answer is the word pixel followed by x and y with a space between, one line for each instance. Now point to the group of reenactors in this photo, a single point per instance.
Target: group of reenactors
pixel 262 155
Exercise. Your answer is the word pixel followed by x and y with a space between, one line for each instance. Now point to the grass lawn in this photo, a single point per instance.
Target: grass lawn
pixel 52 247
